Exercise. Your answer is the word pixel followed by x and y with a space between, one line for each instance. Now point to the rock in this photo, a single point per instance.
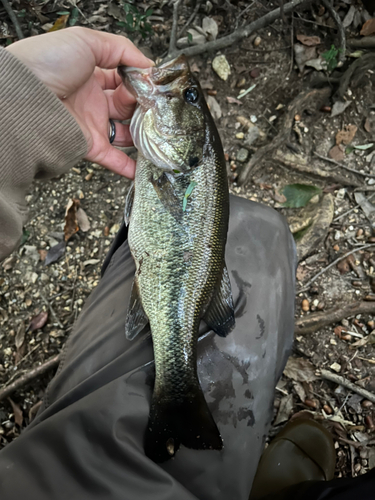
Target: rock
pixel 31 277
pixel 221 67
pixel 336 367
pixel 240 135
pixel 214 107
pixel 257 41
pixel 252 135
pixel 242 155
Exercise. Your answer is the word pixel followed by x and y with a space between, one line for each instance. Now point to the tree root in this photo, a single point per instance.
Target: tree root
pixel 316 321
pixel 29 375
pixel 357 68
pixel 304 166
pixel 173 39
pixel 239 34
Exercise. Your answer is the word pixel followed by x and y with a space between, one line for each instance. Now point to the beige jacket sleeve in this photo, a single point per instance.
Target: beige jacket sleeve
pixel 38 139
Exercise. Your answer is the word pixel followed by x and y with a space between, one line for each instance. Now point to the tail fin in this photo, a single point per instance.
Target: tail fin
pixel 173 422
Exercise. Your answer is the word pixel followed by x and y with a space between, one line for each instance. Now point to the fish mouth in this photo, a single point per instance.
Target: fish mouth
pixel 137 80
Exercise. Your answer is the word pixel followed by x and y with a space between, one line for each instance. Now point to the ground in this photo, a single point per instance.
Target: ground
pixel 28 287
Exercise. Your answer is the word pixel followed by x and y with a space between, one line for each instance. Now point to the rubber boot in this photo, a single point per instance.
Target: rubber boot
pixel 302 451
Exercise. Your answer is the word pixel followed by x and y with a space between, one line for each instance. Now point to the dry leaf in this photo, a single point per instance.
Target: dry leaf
pixel 18 416
pixel 55 253
pixel 233 100
pixel 71 224
pixel 367 125
pixel 280 198
pixel 303 54
pixel 301 393
pixel 346 135
pixel 310 41
pixel 20 336
pixel 60 23
pixel 285 409
pixel 300 370
pixel 214 107
pixel 336 153
pixel 34 410
pixel 339 107
pixel 9 262
pixel 344 265
pixel 368 28
pixel 43 254
pixel 83 221
pixel 38 321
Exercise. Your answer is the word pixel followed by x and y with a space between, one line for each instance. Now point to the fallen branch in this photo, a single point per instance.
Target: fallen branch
pixel 330 160
pixel 312 100
pixel 239 34
pixel 316 321
pixel 30 375
pixel 332 377
pixel 314 278
pixel 340 28
pixel 13 18
pixel 304 166
pixel 173 39
pixel 368 42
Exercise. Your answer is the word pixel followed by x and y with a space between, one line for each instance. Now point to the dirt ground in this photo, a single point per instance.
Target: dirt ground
pixel 337 220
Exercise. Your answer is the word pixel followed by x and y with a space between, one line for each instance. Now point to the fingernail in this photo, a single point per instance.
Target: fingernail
pixel 151 62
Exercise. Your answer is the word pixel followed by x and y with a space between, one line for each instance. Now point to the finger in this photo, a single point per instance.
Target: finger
pixel 121 103
pixel 108 79
pixel 112 50
pixel 117 161
pixel 122 137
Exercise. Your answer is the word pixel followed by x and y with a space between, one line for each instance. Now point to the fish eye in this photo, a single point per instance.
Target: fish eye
pixel 191 95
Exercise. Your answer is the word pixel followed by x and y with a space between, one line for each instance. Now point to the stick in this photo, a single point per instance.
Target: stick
pixel 191 18
pixel 340 28
pixel 30 375
pixel 173 39
pixel 52 311
pixel 307 286
pixel 226 41
pixel 332 377
pixel 316 321
pixel 343 166
pixel 13 18
pixel 368 42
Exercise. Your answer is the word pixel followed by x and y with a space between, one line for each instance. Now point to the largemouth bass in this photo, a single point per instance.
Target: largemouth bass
pixel 178 220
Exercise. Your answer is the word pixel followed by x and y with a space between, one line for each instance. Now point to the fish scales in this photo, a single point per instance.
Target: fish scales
pixel 178 215
pixel 178 264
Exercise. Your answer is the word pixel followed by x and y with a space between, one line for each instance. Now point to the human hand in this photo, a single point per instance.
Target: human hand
pixel 79 66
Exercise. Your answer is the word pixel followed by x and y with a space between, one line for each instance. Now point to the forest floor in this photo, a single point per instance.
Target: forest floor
pixel 281 96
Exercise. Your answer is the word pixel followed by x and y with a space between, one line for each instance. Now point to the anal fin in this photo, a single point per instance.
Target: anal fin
pixel 220 312
pixel 136 319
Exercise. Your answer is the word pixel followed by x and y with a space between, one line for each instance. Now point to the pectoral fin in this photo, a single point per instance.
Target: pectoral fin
pixel 129 204
pixel 220 312
pixel 136 318
pixel 168 196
